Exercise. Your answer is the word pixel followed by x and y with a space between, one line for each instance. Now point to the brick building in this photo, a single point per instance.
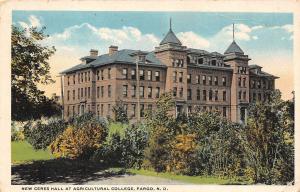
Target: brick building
pixel 199 80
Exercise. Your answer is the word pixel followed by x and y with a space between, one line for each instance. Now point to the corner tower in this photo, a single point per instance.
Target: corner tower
pixel 171 52
pixel 238 61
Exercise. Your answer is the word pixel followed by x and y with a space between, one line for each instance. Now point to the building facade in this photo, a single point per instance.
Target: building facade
pixel 199 81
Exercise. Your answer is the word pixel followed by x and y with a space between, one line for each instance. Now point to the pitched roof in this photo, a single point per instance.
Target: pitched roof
pixel 122 56
pixel 234 48
pixel 170 38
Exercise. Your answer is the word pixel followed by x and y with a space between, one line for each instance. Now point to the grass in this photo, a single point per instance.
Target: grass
pixel 23 152
pixel 188 179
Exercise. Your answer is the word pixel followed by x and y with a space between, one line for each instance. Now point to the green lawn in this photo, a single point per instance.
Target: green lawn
pixel 23 152
pixel 187 179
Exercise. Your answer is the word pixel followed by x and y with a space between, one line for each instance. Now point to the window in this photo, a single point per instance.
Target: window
pixel 102 91
pixel 108 110
pixel 133 74
pixel 89 92
pixel 78 78
pixel 102 74
pixel 68 111
pixel 102 109
pixel 89 77
pixel 74 79
pixel 98 110
pixel 204 80
pixel 216 95
pixel 133 106
pixel 254 96
pixel 125 73
pixel 157 92
pixel 85 92
pixel 125 89
pixel 68 80
pixel 109 73
pixel 258 84
pixel 73 110
pixel 252 83
pixel 189 94
pixel 81 77
pixel 73 94
pixel 98 76
pixel 142 91
pixel 244 95
pixel 174 91
pixel 142 110
pixel 157 76
pixel 180 76
pixel 149 92
pixel 189 109
pixel 198 79
pixel 240 95
pixel 174 76
pixel 142 75
pixel 216 80
pixel 126 109
pixel 259 96
pixel 214 62
pixel 200 61
pixel 210 95
pixel 81 92
pixel 68 96
pixel 181 92
pixel 98 92
pixel 224 112
pixel 198 94
pixel 224 81
pixel 204 95
pixel 89 108
pixel 109 91
pixel 224 95
pixel 210 80
pixel 149 75
pixel 78 93
pixel 189 78
pixel 85 76
pixel 133 91
pixel 244 82
pixel 240 82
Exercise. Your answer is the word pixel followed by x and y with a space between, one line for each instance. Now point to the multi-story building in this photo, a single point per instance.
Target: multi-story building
pixel 198 80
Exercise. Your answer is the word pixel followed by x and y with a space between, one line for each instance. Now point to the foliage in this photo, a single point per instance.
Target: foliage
pixel 29 68
pixel 268 141
pixel 123 149
pixel 40 135
pixel 16 132
pixel 83 136
pixel 120 112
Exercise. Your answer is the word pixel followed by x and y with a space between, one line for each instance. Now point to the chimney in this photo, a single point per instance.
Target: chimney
pixel 112 49
pixel 94 52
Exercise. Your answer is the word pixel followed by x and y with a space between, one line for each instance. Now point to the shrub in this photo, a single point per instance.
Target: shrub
pixel 82 137
pixel 40 135
pixel 17 131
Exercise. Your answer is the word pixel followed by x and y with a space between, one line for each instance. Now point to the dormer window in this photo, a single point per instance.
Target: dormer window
pixel 214 62
pixel 200 60
pixel 142 58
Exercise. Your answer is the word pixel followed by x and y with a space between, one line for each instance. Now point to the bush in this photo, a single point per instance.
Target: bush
pixel 40 134
pixel 17 131
pixel 123 149
pixel 83 136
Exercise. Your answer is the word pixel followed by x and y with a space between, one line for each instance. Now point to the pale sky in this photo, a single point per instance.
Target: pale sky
pixel 266 37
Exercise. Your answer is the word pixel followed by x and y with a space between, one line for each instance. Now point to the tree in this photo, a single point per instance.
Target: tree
pixel 120 112
pixel 29 68
pixel 269 140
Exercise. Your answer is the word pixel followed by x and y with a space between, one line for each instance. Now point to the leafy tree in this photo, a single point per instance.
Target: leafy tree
pixel 80 139
pixel 120 112
pixel 30 67
pixel 269 142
